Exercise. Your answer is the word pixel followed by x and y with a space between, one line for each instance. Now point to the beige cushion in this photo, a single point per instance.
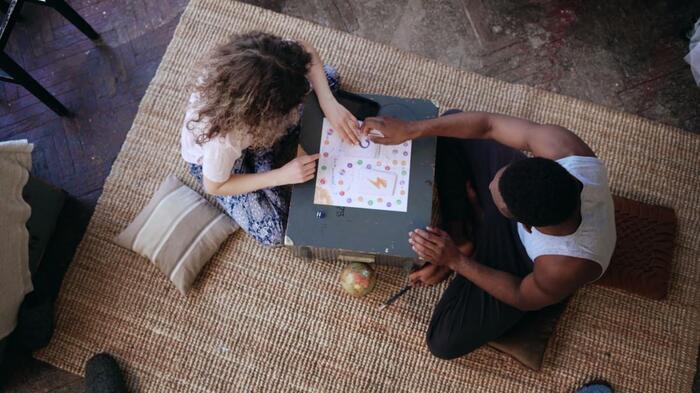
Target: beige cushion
pixel 15 279
pixel 179 231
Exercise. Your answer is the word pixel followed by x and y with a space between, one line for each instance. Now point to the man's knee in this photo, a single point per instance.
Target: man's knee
pixel 441 348
pixel 446 349
pixel 444 342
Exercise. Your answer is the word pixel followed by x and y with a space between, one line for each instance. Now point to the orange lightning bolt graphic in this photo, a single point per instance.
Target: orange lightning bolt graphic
pixel 379 183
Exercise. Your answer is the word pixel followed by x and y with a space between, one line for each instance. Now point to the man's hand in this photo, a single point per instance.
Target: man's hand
pixel 394 131
pixel 434 245
pixel 429 275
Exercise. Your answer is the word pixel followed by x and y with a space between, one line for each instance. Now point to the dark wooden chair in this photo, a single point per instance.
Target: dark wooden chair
pixel 12 72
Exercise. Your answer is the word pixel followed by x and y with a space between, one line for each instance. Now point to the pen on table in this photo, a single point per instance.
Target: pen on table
pixel 398 294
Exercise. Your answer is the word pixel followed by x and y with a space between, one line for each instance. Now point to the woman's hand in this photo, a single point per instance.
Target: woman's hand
pixel 434 245
pixel 429 275
pixel 298 170
pixel 342 120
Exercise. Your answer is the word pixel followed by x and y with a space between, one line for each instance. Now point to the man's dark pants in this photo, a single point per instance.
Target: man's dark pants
pixel 466 317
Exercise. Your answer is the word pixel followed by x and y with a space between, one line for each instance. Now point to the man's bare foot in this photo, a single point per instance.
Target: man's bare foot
pixel 429 274
pixel 466 248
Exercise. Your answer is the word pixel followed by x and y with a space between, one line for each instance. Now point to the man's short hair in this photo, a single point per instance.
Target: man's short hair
pixel 539 191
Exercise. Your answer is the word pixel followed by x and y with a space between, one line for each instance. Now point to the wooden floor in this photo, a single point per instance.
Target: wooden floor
pixel 617 53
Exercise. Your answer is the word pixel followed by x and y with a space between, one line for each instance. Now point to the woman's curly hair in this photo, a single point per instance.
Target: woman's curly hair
pixel 252 84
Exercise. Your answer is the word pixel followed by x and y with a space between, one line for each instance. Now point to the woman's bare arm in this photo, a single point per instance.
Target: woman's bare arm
pixel 299 170
pixel 337 114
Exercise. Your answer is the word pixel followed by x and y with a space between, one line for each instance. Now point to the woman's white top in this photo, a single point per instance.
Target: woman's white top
pixel 216 156
pixel 595 237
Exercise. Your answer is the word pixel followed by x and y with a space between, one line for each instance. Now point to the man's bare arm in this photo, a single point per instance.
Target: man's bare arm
pixel 543 140
pixel 554 277
pixel 552 280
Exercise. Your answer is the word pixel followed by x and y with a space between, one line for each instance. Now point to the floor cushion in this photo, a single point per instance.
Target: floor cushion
pixel 15 277
pixel 179 231
pixel 641 263
pixel 527 341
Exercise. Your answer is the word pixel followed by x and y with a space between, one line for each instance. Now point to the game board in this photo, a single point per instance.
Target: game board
pixel 366 176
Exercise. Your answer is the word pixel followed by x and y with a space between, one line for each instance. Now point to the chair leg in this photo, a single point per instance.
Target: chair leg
pixel 5 7
pixel 73 17
pixel 21 77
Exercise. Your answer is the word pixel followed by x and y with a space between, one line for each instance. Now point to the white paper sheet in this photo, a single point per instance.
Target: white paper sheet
pixel 368 176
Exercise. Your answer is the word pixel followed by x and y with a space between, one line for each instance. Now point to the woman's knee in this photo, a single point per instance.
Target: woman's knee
pixel 269 231
pixel 333 77
pixel 268 240
pixel 268 236
pixel 451 112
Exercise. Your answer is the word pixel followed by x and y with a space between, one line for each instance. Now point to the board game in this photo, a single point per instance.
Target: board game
pixel 366 176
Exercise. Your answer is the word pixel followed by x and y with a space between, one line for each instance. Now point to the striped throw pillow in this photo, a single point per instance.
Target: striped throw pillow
pixel 179 231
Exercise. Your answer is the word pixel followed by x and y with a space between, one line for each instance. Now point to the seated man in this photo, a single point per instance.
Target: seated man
pixel 554 209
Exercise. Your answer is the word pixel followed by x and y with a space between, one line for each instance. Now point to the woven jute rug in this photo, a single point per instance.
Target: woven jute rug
pixel 261 320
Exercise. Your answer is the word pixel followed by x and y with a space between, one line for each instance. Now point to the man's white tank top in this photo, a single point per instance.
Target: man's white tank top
pixel 595 237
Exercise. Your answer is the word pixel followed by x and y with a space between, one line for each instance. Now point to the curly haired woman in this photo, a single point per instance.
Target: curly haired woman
pixel 241 126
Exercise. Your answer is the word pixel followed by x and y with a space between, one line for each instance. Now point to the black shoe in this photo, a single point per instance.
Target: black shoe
pixel 102 375
pixel 34 323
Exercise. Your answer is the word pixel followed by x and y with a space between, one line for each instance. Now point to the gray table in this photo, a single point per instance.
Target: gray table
pixel 356 234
